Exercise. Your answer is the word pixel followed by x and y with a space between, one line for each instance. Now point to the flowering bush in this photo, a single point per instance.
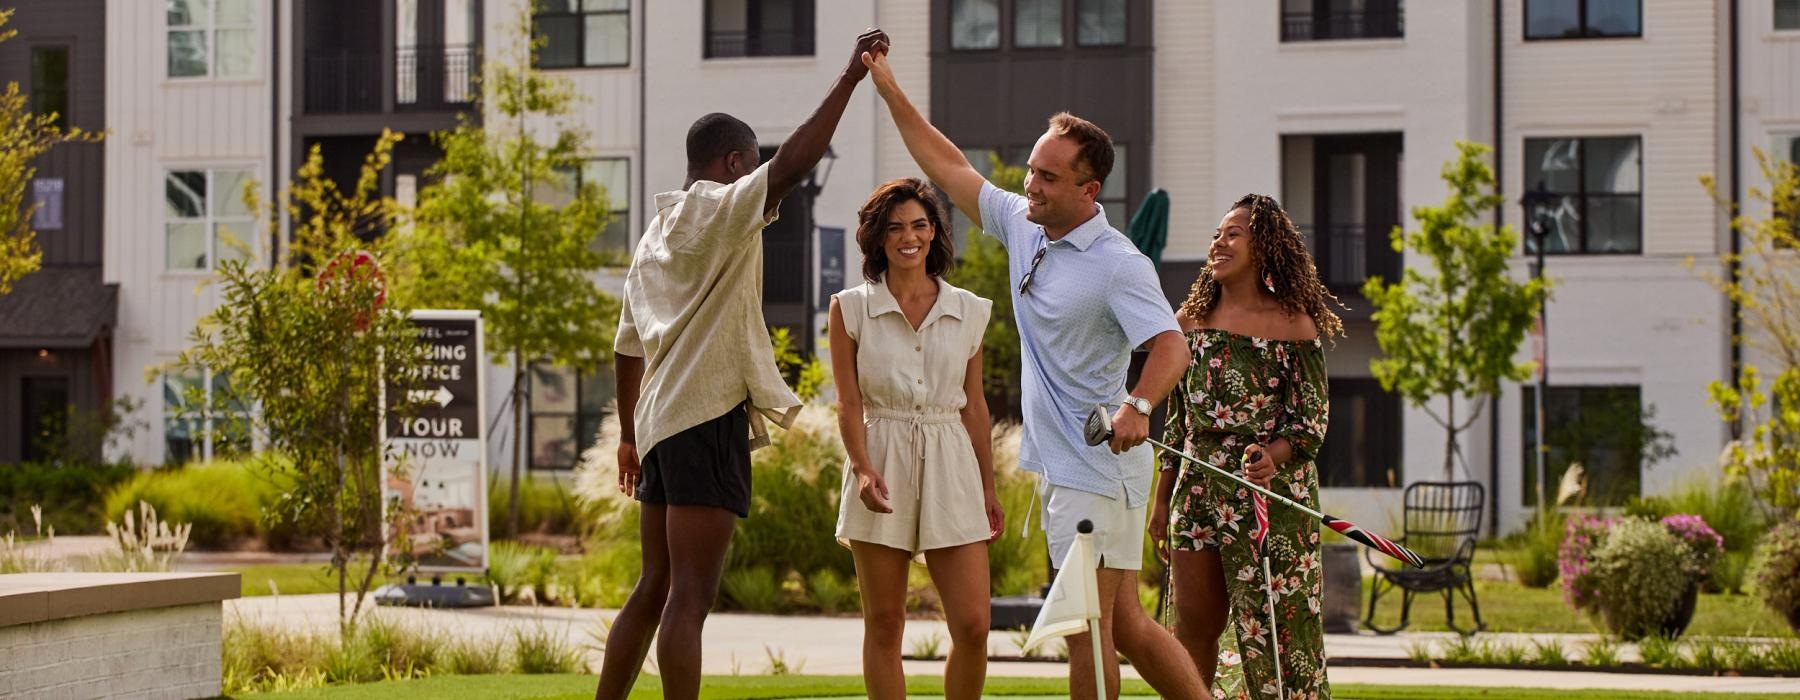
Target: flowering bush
pixel 1776 571
pixel 1582 534
pixel 1637 590
pixel 1704 546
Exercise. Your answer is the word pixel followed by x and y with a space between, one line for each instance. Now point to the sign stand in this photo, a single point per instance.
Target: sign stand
pixel 442 446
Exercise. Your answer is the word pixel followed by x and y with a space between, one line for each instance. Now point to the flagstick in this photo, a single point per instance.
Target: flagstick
pixel 1274 630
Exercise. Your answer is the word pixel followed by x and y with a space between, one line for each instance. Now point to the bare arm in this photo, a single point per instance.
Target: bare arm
pixel 977 423
pixel 941 160
pixel 802 150
pixel 871 489
pixel 628 372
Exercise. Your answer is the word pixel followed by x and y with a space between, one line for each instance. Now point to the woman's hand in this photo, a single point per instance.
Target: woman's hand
pixel 629 469
pixel 872 490
pixel 1158 529
pixel 996 515
pixel 1259 467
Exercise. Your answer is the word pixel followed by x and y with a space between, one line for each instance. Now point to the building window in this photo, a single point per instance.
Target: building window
pixel 201 421
pixel 1320 20
pixel 613 175
pixel 1787 14
pixel 44 418
pixel 212 38
pixel 566 409
pixel 1599 186
pixel 1583 19
pixel 50 83
pixel 751 28
pixel 205 218
pixel 1037 24
pixel 1100 22
pixel 1605 429
pixel 974 24
pixel 583 33
pixel 1364 451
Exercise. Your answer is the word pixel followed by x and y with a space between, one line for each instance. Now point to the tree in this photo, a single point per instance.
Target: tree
pixel 310 345
pixel 1764 281
pixel 485 237
pixel 23 137
pixel 982 269
pixel 1455 331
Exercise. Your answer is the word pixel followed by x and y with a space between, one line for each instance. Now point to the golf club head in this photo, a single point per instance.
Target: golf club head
pixel 1098 428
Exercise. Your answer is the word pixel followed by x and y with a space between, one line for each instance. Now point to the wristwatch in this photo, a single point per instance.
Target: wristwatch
pixel 1139 404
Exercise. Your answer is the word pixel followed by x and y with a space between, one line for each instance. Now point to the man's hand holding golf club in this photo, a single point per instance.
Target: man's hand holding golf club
pixel 1099 429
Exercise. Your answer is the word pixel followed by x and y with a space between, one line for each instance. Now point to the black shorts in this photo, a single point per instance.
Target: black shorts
pixel 706 465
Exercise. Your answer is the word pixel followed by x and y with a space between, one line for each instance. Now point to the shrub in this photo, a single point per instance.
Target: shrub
pixel 1702 544
pixel 224 501
pixel 753 590
pixel 1728 508
pixel 831 592
pixel 1017 565
pixel 1661 652
pixel 546 507
pixel 1637 588
pixel 513 566
pixel 1601 652
pixel 793 511
pixel 73 496
pixel 538 650
pixel 1535 561
pixel 1775 572
pixel 1582 534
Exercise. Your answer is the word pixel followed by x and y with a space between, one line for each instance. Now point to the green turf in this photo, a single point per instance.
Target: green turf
pixel 580 687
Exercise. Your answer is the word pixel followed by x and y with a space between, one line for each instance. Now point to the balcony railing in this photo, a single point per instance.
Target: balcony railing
pixel 1342 254
pixel 1358 24
pixel 431 78
pixel 426 78
pixel 343 82
pixel 739 44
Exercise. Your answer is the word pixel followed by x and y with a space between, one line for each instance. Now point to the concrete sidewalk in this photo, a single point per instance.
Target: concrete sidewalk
pixel 750 644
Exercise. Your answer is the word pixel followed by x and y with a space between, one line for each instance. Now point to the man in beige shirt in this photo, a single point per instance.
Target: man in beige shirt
pixel 696 378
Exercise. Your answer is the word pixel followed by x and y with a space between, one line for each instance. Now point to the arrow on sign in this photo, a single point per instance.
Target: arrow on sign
pixel 441 397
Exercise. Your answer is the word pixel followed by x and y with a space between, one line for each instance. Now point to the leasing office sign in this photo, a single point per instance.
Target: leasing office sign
pixel 440 448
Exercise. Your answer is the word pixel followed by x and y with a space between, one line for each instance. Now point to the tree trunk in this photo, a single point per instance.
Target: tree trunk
pixel 518 411
pixel 1449 436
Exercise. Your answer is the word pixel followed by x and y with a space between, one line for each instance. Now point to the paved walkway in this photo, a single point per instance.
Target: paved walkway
pixel 748 644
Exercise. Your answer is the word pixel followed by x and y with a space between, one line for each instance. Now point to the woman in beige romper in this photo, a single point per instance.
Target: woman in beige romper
pixel 906 357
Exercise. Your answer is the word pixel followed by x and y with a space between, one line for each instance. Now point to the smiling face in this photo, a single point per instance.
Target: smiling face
pixel 1059 192
pixel 1231 253
pixel 907 236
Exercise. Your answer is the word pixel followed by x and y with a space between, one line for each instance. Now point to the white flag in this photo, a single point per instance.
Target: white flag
pixel 1074 597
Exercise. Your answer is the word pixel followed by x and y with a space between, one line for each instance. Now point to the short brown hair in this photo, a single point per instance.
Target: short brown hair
pixel 871 227
pixel 1096 146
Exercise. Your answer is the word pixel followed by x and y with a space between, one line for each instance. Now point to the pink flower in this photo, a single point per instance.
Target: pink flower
pixel 1215 363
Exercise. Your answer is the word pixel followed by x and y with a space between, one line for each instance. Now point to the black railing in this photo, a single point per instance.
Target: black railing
pixel 431 78
pixel 754 43
pixel 1342 253
pixel 1360 24
pixel 426 78
pixel 343 82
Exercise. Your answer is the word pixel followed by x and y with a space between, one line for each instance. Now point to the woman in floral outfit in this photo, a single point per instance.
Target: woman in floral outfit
pixel 1254 400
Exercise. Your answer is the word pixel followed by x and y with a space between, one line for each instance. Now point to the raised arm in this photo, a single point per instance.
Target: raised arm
pixel 802 150
pixel 941 160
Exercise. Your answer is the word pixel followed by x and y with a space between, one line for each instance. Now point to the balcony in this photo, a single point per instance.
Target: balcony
pixel 426 79
pixel 1384 23
pixel 742 44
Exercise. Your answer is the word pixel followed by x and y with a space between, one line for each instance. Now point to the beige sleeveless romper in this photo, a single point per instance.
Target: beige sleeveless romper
pixel 912 392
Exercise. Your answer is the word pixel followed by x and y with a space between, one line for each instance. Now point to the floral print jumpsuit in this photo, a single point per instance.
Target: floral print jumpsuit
pixel 1240 390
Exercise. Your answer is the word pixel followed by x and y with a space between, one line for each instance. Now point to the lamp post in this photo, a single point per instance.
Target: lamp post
pixel 1537 204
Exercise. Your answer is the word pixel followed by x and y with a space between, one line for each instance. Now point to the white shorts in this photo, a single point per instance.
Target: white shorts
pixel 1118 528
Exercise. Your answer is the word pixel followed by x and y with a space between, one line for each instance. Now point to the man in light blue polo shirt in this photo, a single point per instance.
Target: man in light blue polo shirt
pixel 1083 297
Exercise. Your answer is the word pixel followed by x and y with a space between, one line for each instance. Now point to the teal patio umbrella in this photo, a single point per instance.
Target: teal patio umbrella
pixel 1149 229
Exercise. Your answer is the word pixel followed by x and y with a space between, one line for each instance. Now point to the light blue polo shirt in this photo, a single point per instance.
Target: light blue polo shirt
pixel 1093 299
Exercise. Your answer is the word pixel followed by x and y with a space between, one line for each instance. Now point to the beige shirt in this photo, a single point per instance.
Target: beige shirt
pixel 693 311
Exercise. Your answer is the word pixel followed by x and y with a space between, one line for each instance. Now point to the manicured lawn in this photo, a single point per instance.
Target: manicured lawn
pixel 1510 607
pixel 580 687
pixel 1507 606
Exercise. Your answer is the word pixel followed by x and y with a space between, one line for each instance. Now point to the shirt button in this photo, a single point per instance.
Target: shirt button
pixel 916 348
pixel 921 381
pixel 918 408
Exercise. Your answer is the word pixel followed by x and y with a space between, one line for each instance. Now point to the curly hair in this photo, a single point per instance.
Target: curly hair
pixel 871 227
pixel 1286 263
